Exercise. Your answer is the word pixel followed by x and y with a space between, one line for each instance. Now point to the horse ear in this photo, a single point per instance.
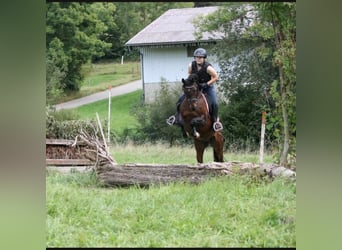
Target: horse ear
pixel 183 81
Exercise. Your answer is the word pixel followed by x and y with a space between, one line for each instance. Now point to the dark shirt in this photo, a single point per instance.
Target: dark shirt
pixel 203 76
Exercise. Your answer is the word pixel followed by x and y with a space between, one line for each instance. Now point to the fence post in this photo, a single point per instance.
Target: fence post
pixel 262 139
pixel 109 104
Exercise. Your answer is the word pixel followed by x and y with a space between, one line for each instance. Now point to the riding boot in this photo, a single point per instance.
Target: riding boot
pixel 217 125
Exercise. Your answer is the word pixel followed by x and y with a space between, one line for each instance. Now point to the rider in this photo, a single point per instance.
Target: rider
pixel 207 77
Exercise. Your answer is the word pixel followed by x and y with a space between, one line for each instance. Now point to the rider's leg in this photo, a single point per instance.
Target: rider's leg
pixel 214 112
pixel 175 119
pixel 217 125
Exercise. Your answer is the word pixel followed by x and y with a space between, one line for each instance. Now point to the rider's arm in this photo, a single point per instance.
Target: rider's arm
pixel 189 69
pixel 214 76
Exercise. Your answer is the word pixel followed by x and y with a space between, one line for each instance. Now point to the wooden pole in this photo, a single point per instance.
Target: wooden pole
pixel 109 104
pixel 263 121
pixel 103 138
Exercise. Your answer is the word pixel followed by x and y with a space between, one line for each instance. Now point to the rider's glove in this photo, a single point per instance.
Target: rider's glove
pixel 203 85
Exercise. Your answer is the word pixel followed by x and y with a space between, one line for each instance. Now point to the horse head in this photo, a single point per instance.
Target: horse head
pixel 191 82
pixel 191 90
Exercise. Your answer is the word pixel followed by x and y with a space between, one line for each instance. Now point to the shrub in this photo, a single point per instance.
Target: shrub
pixel 65 124
pixel 152 116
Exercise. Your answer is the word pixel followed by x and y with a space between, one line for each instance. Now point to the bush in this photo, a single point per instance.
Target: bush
pixel 65 124
pixel 152 117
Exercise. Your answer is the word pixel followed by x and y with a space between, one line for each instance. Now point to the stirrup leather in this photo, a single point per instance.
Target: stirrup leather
pixel 171 120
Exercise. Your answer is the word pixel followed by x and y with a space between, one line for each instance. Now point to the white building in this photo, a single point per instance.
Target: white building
pixel 167 45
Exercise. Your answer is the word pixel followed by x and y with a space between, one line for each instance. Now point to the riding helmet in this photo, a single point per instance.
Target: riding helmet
pixel 200 52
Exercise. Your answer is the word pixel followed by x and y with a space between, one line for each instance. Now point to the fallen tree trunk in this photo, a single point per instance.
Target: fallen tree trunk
pixel 148 174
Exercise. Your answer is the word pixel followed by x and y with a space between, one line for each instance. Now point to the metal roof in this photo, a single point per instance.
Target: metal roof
pixel 173 27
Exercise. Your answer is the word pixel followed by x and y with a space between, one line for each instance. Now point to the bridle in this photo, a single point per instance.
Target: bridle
pixel 193 100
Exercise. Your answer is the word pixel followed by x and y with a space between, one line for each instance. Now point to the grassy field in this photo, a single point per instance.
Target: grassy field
pixel 222 212
pixel 121 118
pixel 235 211
pixel 99 76
pixel 162 153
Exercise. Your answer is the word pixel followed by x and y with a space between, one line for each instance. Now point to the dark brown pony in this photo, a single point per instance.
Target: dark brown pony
pixel 196 120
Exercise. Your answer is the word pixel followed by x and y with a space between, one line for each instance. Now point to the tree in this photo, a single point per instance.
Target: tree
pixel 282 19
pixel 56 68
pixel 77 33
pixel 72 39
pixel 246 72
pixel 260 38
pixel 129 19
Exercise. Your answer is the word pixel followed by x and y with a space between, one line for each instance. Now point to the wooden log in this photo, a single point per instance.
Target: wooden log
pixel 148 174
pixel 69 162
pixel 64 142
pixel 58 142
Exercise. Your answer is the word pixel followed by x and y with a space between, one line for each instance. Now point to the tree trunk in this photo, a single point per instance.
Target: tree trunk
pixel 283 92
pixel 141 174
pixel 286 128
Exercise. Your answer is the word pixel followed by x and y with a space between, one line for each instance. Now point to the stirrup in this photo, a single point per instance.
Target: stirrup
pixel 217 126
pixel 171 120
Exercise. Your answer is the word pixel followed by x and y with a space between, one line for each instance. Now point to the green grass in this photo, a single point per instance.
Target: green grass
pixel 102 75
pixel 99 76
pixel 222 212
pixel 231 211
pixel 120 119
pixel 161 153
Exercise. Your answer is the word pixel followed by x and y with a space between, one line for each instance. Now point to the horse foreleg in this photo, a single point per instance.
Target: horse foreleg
pixel 197 121
pixel 218 156
pixel 199 146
